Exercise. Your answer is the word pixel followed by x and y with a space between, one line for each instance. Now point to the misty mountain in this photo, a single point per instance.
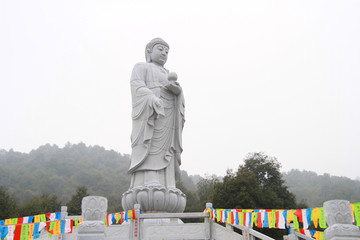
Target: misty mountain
pixel 314 189
pixel 53 170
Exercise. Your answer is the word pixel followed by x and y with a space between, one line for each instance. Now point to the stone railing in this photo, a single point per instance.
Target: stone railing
pixel 338 215
pixel 168 225
pixel 248 233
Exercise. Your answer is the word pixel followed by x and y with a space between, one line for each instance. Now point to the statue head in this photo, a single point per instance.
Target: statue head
pixel 161 50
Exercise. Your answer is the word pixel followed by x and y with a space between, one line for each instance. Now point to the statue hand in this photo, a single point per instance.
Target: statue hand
pixel 158 106
pixel 174 87
pixel 158 103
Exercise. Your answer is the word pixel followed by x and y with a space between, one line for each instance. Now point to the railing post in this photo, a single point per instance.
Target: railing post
pixel 64 214
pixel 292 229
pixel 291 235
pixel 209 221
pixel 135 223
pixel 246 233
pixel 208 205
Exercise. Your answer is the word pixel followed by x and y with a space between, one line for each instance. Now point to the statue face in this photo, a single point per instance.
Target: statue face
pixel 159 54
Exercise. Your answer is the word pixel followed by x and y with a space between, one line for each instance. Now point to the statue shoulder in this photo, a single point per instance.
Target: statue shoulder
pixel 140 70
pixel 142 65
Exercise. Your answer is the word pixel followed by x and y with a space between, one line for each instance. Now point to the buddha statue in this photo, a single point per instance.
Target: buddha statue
pixel 157 124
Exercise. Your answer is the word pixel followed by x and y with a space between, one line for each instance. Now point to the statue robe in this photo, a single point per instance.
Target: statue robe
pixel 156 131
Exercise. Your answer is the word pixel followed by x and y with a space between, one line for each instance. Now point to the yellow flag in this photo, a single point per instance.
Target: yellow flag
pixel 37 218
pixel 117 217
pixel 228 215
pixel 57 228
pixel 315 216
pixel 352 212
pixel 290 215
pixel 31 231
pixel 270 219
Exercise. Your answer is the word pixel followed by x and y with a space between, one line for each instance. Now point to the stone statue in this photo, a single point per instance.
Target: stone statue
pixel 158 120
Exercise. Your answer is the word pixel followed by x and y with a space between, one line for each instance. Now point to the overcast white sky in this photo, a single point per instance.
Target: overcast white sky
pixel 280 77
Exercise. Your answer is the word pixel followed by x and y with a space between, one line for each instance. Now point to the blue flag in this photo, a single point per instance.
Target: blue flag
pixel 3 232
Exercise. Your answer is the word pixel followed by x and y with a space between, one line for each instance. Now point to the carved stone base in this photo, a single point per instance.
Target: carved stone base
pixel 154 199
pixel 342 231
pixel 89 230
pixel 338 217
pixel 93 210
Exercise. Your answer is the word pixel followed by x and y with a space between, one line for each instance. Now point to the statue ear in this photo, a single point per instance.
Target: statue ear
pixel 147 55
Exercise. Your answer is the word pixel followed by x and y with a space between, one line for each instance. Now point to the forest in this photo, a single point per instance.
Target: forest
pixel 49 177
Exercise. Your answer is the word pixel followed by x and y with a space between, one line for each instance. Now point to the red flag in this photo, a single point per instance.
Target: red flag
pixel 20 220
pixel 298 213
pixel 17 234
pixel 48 228
pixel 259 220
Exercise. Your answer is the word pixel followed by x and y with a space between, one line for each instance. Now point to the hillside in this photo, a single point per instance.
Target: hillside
pixel 314 189
pixel 53 170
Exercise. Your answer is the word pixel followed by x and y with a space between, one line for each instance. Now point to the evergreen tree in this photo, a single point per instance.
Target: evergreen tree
pixel 45 203
pixel 8 206
pixel 74 205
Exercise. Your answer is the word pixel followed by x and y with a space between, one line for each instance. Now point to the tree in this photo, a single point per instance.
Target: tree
pixel 45 203
pixel 205 189
pixel 257 184
pixel 192 200
pixel 74 205
pixel 269 179
pixel 8 206
pixel 236 191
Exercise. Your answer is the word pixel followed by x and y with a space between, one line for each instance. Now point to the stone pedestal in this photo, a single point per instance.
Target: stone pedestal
pixel 91 230
pixel 94 210
pixel 154 199
pixel 339 219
